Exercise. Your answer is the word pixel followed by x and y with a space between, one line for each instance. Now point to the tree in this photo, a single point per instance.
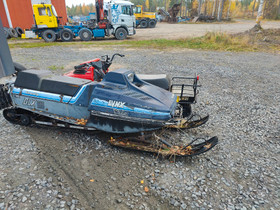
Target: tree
pixel 260 13
pixel 229 5
pixel 199 7
pixel 214 8
pixel 220 11
pixel 253 9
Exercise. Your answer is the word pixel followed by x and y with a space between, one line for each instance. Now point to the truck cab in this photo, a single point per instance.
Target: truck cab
pixel 45 16
pixel 121 17
pixel 144 19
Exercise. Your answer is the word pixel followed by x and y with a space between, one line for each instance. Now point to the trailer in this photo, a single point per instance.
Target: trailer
pixel 118 21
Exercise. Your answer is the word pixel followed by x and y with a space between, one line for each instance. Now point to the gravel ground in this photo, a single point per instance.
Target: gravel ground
pixel 49 168
pixel 177 31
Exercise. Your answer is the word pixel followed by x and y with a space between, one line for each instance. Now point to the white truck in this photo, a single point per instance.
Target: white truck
pixel 117 19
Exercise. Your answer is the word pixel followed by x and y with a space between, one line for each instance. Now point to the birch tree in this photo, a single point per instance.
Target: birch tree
pixel 199 7
pixel 260 13
pixel 220 10
pixel 214 8
pixel 228 11
pixel 253 9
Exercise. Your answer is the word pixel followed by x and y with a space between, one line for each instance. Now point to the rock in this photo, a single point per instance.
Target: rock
pixel 62 204
pixel 183 206
pixel 24 199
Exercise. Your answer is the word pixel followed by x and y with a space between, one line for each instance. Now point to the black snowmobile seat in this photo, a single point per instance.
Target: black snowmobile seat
pixel 30 79
pixel 43 80
pixel 160 80
pixel 62 85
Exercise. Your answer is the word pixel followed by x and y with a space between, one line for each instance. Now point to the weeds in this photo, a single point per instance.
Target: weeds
pixel 210 41
pixel 54 67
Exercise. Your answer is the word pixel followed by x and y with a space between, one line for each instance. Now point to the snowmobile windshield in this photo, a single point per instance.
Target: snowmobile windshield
pixel 130 77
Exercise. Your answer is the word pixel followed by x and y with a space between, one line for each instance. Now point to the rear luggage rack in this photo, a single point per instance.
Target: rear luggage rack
pixel 184 90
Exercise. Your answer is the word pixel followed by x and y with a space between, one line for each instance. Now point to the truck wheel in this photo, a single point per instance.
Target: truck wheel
pixel 121 34
pixel 144 24
pixel 85 34
pixel 49 35
pixel 19 31
pixel 13 32
pixel 6 32
pixel 66 35
pixel 152 24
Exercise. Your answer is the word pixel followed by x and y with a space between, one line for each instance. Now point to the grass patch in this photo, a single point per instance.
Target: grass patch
pixel 210 41
pixel 54 67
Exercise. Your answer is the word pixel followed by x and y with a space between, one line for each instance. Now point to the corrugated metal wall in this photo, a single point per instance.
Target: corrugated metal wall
pixel 3 15
pixel 21 12
pixel 60 8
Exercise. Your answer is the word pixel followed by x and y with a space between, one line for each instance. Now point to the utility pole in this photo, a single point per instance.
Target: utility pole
pixel 6 63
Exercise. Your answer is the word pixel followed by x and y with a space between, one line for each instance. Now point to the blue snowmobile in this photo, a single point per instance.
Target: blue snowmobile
pixel 120 102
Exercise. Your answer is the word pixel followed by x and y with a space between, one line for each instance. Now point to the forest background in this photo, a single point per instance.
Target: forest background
pixel 228 8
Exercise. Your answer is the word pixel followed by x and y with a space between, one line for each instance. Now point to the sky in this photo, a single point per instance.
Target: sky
pixel 69 3
pixel 75 2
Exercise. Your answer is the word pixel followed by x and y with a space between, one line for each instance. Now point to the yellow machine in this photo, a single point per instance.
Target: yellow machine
pixel 45 16
pixel 144 19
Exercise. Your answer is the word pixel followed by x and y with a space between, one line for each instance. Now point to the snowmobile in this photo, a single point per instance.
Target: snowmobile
pixel 117 102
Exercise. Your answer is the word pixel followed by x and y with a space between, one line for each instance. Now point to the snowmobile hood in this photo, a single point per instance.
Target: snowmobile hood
pixel 122 89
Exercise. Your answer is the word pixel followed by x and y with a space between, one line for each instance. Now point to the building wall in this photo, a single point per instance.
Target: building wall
pixel 21 12
pixel 3 15
pixel 60 8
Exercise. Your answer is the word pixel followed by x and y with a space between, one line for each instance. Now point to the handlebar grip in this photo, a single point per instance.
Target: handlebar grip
pixel 80 66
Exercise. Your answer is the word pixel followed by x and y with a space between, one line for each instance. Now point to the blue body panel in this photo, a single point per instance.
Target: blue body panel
pixel 98 32
pixel 121 102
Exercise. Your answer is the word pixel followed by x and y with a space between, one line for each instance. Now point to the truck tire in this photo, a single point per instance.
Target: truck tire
pixel 85 34
pixel 121 34
pixel 13 32
pixel 144 24
pixel 6 32
pixel 49 35
pixel 19 31
pixel 66 35
pixel 152 23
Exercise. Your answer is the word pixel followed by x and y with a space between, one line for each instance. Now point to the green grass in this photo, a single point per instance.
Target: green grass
pixel 210 41
pixel 54 67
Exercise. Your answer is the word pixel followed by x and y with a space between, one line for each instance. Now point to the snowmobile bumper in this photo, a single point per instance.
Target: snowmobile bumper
pixel 5 99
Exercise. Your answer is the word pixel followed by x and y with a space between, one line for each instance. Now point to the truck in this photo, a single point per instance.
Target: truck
pixel 144 19
pixel 118 20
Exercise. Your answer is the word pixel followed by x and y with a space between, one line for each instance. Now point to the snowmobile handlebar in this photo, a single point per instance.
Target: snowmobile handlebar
pixel 81 66
pixel 106 58
pixel 116 54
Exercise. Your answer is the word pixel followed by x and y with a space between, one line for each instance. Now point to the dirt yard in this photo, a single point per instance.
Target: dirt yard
pixel 176 31
pixel 49 168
